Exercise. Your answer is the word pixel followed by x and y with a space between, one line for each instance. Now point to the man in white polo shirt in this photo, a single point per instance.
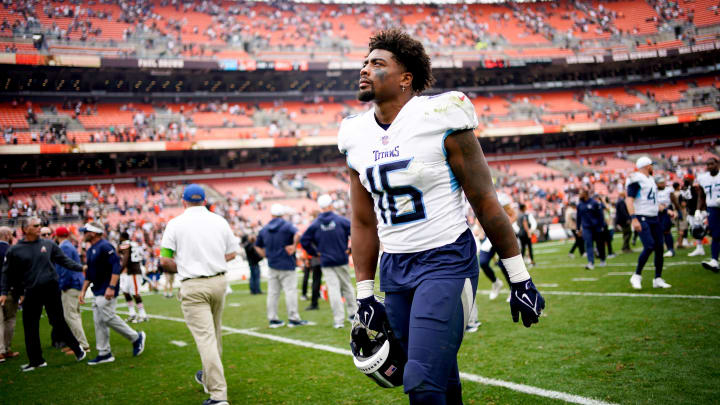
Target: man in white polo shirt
pixel 197 245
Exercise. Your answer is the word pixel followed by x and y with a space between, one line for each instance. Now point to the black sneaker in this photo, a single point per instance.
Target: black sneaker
pixel 199 380
pixel 139 344
pixel 105 358
pixel 276 323
pixel 27 367
pixel 211 401
pixel 300 322
pixel 82 355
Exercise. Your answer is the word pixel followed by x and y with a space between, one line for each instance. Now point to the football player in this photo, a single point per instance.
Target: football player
pixel 709 199
pixel 642 204
pixel 665 214
pixel 410 158
pixel 131 254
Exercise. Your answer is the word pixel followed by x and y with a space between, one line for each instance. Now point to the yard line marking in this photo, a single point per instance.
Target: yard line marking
pixel 547 285
pixel 619 294
pixel 178 343
pixel 527 389
pixel 584 279
pixel 633 265
pixel 234 304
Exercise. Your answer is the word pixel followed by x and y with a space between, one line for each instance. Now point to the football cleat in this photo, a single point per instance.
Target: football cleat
pixel 378 354
pixel 300 322
pixel 636 281
pixel 711 265
pixel 27 367
pixel 589 266
pixel 472 327
pixel 139 344
pixel 660 283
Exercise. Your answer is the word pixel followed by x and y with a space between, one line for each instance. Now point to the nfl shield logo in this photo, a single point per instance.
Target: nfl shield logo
pixel 385 140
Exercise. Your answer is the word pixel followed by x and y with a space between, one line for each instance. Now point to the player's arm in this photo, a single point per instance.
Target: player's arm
pixel 363 230
pixel 468 164
pixel 633 190
pixel 467 161
pixel 167 260
pixel 701 204
pixel 366 244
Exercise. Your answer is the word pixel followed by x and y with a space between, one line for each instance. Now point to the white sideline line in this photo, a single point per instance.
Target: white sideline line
pixel 618 294
pixel 527 389
pixel 611 264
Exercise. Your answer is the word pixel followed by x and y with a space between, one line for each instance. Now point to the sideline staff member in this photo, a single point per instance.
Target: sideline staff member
pixel 29 270
pixel 197 245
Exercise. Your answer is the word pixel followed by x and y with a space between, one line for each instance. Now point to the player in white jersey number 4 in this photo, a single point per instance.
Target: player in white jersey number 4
pixel 410 158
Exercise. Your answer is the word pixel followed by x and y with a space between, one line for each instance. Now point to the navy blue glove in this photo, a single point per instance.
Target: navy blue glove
pixel 525 299
pixel 371 313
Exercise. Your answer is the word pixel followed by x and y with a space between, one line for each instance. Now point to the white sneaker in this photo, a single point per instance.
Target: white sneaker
pixel 612 256
pixel 636 281
pixel 496 287
pixel 685 243
pixel 711 265
pixel 669 253
pixel 602 263
pixel 589 266
pixel 699 251
pixel 660 283
pixel 472 327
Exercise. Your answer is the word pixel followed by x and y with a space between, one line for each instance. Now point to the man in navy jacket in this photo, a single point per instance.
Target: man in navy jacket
pixel 327 237
pixel 590 225
pixel 277 242
pixel 103 272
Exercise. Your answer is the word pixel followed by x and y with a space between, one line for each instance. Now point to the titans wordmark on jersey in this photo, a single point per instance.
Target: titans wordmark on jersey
pixel 711 186
pixel 643 189
pixel 418 201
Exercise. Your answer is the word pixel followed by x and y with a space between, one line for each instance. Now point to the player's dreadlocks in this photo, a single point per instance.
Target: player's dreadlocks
pixel 407 51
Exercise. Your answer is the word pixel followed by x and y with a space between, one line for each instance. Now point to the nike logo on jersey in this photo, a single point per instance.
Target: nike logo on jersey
pixel 382 154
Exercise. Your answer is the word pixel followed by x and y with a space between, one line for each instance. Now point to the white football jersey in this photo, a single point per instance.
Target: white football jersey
pixel 418 201
pixel 646 202
pixel 711 186
pixel 663 196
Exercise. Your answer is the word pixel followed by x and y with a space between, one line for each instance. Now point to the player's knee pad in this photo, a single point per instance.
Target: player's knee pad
pixel 414 377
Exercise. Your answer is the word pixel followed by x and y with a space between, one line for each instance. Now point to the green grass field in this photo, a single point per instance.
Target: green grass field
pixel 625 349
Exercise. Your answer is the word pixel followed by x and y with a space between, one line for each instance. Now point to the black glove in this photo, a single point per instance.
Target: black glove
pixel 525 299
pixel 371 313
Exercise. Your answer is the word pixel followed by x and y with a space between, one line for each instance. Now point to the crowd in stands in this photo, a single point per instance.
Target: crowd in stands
pixel 27 122
pixel 214 28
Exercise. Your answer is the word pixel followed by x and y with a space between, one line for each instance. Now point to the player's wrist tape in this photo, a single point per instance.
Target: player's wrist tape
pixel 516 269
pixel 365 288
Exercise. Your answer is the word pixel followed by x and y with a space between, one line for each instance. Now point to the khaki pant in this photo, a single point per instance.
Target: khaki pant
pixel 105 318
pixel 202 301
pixel 339 287
pixel 71 310
pixel 7 322
pixel 287 281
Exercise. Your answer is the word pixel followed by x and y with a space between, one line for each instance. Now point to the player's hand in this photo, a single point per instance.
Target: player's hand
pixel 371 313
pixel 525 299
pixel 81 298
pixel 636 225
pixel 2 300
pixel 109 293
pixel 579 232
pixel 290 249
pixel 671 214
